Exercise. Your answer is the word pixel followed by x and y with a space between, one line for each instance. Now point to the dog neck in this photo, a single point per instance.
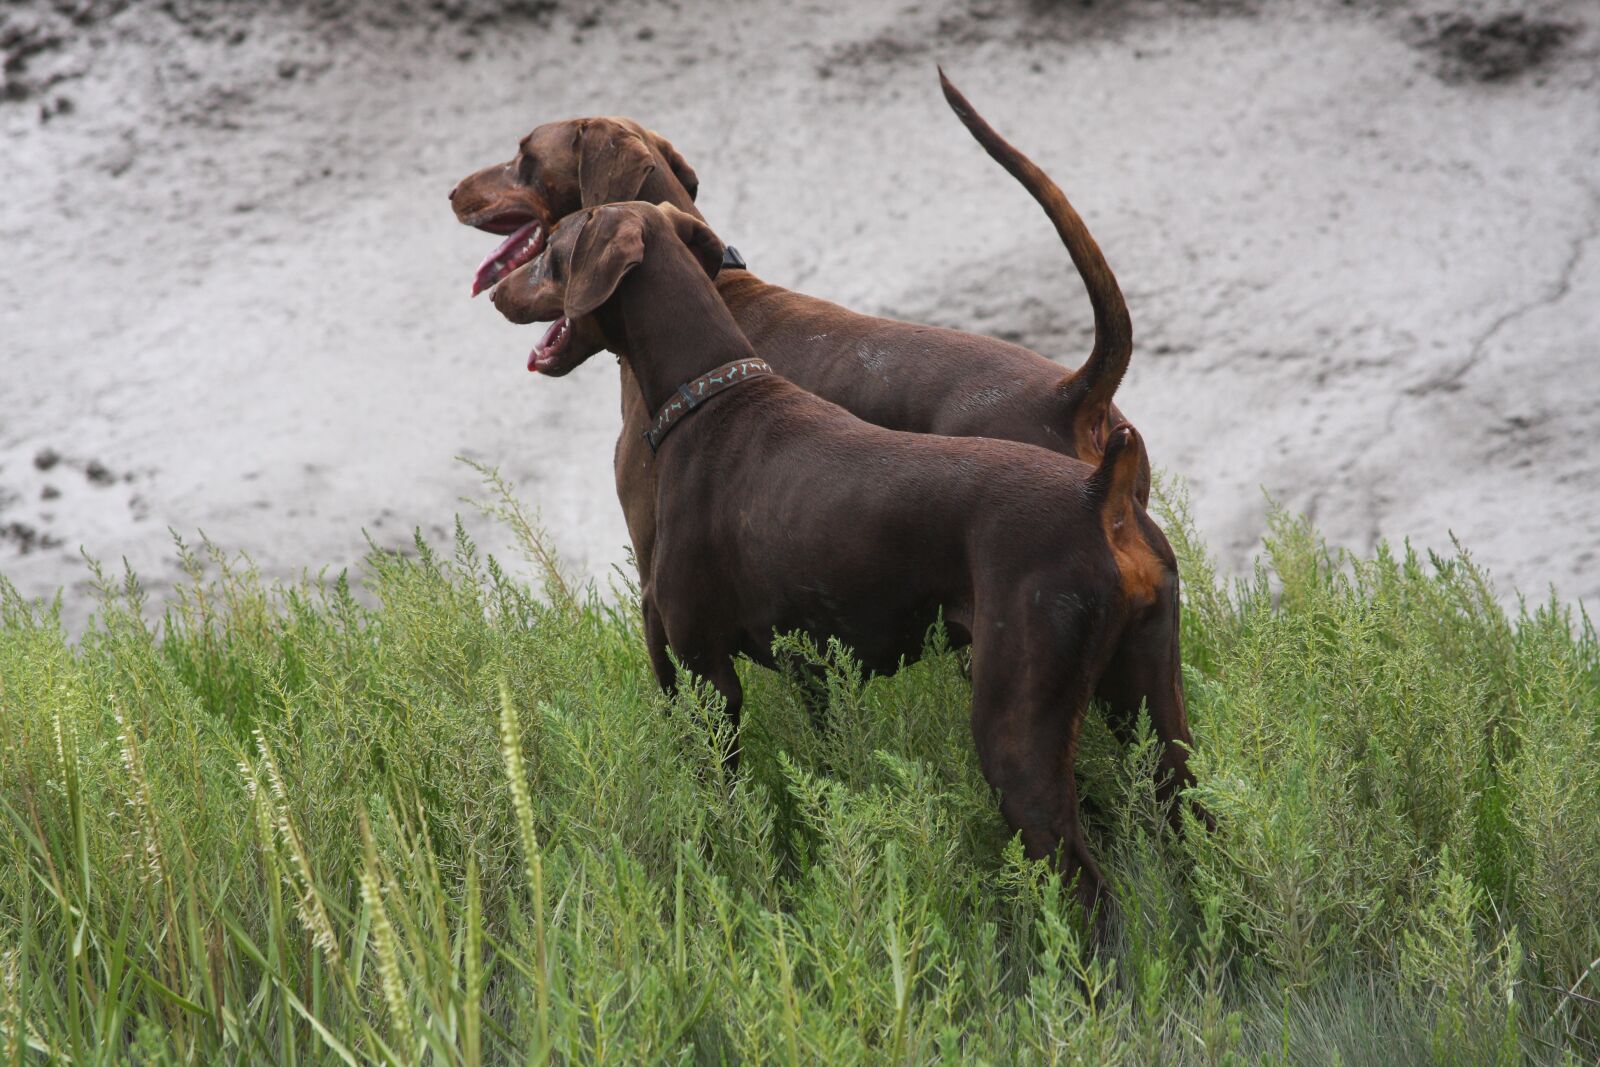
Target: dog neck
pixel 692 394
pixel 661 184
pixel 673 323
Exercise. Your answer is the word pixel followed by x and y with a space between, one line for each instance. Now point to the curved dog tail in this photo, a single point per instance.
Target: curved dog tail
pixel 1114 485
pixel 1093 386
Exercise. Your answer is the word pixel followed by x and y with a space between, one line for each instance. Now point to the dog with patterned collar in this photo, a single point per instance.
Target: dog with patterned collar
pixel 778 511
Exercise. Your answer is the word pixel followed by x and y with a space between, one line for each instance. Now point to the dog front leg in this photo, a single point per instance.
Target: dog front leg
pixel 718 669
pixel 721 673
pixel 655 642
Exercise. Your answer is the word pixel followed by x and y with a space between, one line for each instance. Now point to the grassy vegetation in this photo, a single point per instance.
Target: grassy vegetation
pixel 454 823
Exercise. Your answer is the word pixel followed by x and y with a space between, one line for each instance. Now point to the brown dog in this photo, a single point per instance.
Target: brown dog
pixel 899 375
pixel 896 374
pixel 779 511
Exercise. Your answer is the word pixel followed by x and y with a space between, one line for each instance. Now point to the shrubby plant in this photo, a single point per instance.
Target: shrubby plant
pixel 452 820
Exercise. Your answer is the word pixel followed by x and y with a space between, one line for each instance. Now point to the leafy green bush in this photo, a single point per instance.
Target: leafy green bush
pixel 435 817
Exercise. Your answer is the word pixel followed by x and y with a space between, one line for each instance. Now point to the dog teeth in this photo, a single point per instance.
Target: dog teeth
pixel 515 250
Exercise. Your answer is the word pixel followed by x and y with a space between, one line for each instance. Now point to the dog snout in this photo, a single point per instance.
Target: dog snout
pixel 513 301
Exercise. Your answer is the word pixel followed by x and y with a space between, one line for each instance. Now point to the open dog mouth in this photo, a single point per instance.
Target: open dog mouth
pixel 525 242
pixel 550 346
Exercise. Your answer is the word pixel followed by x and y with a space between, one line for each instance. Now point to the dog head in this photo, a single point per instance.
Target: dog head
pixel 586 262
pixel 559 168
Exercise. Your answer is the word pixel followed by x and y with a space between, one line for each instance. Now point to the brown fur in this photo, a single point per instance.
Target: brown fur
pixel 900 375
pixel 778 511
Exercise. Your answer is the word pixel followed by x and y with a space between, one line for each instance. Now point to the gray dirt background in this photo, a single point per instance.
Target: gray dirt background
pixel 1357 239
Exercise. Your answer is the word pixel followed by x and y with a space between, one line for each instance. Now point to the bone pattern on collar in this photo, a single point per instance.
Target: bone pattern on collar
pixel 691 395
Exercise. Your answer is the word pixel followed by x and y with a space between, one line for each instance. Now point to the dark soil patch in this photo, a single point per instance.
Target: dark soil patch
pixel 46 42
pixel 1489 50
pixel 33 37
pixel 28 538
pixel 1017 23
pixel 99 474
pixel 22 41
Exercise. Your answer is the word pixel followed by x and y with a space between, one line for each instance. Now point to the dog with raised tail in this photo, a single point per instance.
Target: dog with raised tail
pixel 903 375
pixel 779 511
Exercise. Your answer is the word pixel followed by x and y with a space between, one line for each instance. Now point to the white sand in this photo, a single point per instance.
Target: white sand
pixel 1368 290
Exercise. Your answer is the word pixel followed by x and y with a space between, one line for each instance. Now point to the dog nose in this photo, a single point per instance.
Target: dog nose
pixel 453 190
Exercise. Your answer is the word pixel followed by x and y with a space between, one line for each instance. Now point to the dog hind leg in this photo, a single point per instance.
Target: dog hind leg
pixel 1026 735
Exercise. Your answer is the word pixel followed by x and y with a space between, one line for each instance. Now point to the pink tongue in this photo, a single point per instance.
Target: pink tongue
pixel 549 346
pixel 513 252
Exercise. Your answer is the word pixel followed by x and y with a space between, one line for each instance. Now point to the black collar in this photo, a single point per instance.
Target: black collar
pixel 731 259
pixel 691 395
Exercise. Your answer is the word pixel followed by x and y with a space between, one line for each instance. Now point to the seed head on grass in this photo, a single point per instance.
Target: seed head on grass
pixel 308 900
pixel 522 805
pixel 391 978
pixel 11 1021
pixel 141 802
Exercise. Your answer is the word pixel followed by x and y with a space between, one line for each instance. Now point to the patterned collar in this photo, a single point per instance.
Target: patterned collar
pixel 691 395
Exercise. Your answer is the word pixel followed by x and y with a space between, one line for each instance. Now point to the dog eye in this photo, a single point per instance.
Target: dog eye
pixel 525 167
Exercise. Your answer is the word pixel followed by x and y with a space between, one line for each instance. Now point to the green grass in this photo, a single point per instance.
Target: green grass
pixel 454 822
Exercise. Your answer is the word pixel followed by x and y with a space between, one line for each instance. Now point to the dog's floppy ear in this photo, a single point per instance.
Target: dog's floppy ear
pixel 613 162
pixel 611 244
pixel 692 231
pixel 680 166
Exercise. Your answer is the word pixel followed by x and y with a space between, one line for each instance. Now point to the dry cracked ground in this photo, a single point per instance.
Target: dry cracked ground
pixel 1358 240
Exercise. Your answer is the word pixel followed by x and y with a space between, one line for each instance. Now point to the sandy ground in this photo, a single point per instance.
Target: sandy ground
pixel 1358 241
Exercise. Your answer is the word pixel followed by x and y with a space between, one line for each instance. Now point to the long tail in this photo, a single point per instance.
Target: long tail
pixel 1096 382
